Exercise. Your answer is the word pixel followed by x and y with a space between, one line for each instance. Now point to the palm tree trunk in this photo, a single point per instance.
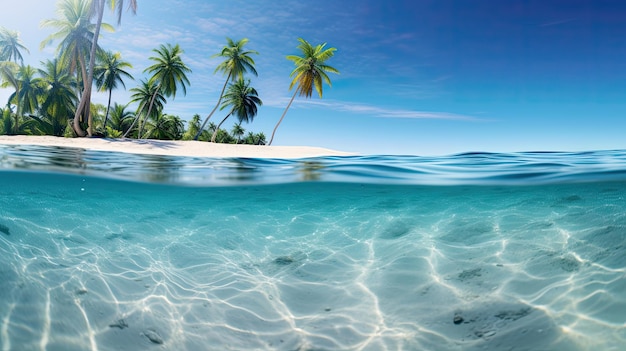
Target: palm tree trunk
pixel 139 114
pixel 132 124
pixel 281 118
pixel 86 97
pixel 143 124
pixel 106 115
pixel 16 127
pixel 218 127
pixel 214 108
pixel 80 110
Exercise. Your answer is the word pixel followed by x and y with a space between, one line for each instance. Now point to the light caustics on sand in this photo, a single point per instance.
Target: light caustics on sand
pixel 99 264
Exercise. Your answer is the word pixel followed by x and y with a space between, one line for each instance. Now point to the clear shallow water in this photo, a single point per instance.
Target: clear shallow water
pixel 467 252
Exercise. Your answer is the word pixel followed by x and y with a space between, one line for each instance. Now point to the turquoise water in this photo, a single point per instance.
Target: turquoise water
pixel 108 251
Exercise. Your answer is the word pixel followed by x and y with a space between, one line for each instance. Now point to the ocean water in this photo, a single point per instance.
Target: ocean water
pixel 109 251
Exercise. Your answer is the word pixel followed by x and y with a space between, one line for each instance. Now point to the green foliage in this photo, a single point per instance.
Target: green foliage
pixel 311 68
pixel 169 70
pixel 113 133
pixel 237 61
pixel 11 46
pixel 193 127
pixel 165 127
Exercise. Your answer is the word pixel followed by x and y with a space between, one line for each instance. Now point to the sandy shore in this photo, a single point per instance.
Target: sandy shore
pixel 173 148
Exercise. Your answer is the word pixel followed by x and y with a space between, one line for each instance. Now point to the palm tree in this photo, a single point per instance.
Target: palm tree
pixel 108 73
pixel 238 131
pixel 27 89
pixel 8 72
pixel 143 94
pixel 236 64
pixel 311 70
pixel 59 97
pixel 120 118
pixel 165 127
pixel 169 72
pixel 10 46
pixel 97 9
pixel 193 127
pixel 77 35
pixel 243 100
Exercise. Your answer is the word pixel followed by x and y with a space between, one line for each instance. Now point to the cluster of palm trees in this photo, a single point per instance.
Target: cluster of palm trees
pixel 56 98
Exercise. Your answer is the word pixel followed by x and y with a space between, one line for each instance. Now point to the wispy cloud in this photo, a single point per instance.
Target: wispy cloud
pixel 557 22
pixel 382 112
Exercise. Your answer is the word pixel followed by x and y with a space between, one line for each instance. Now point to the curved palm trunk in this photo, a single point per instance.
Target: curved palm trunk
pixel 214 108
pixel 219 125
pixel 281 118
pixel 80 110
pixel 16 127
pixel 143 124
pixel 132 125
pixel 85 99
pixel 139 115
pixel 106 115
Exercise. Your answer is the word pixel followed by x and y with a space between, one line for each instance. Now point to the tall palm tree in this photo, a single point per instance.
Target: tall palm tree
pixel 59 97
pixel 10 49
pixel 143 94
pixel 311 71
pixel 30 89
pixel 27 89
pixel 77 35
pixel 11 45
pixel 109 73
pixel 8 72
pixel 169 72
pixel 238 62
pixel 243 100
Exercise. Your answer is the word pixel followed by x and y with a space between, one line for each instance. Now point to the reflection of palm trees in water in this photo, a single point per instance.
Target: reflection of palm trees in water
pixel 311 170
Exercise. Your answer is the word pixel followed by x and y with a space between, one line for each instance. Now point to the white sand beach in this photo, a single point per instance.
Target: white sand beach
pixel 173 148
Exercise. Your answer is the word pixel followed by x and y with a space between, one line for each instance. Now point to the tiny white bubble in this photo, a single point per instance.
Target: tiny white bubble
pixel 82 189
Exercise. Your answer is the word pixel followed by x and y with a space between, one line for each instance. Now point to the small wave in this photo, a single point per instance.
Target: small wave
pixel 473 168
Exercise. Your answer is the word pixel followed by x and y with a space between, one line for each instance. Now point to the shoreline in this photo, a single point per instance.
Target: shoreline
pixel 189 148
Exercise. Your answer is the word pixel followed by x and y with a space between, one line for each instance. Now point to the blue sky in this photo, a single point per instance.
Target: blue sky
pixel 417 77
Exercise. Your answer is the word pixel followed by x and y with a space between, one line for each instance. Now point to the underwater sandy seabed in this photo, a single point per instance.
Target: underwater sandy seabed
pixel 95 264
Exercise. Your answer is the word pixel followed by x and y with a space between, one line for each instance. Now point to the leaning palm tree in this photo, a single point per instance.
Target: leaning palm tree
pixel 11 46
pixel 109 73
pixel 169 72
pixel 9 77
pixel 143 94
pixel 78 40
pixel 243 100
pixel 311 70
pixel 236 64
